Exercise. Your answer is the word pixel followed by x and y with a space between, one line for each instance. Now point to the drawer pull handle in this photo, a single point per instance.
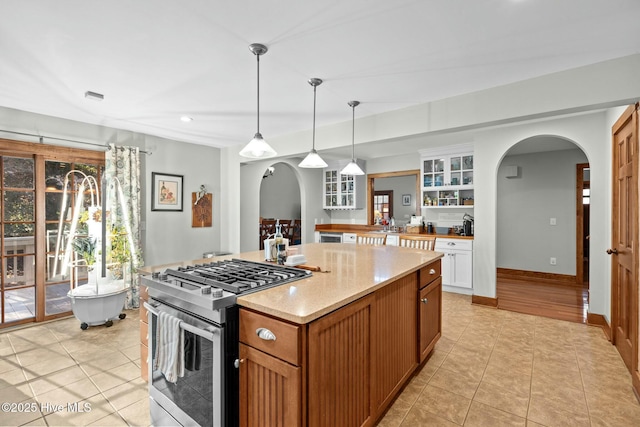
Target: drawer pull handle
pixel 451 244
pixel 265 334
pixel 432 271
pixel 424 300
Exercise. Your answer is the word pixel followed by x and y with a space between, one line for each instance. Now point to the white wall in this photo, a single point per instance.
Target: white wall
pixel 544 188
pixel 280 194
pixel 310 181
pixel 170 236
pixel 399 185
pixel 590 133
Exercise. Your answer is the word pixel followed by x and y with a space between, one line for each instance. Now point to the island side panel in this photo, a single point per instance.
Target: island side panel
pixel 341 374
pixel 396 345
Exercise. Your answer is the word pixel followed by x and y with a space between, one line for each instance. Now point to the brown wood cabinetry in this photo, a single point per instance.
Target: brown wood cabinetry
pixel 429 309
pixel 344 368
pixel 144 335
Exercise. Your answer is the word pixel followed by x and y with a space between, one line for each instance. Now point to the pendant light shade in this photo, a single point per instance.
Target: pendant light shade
pixel 258 148
pixel 313 159
pixel 352 168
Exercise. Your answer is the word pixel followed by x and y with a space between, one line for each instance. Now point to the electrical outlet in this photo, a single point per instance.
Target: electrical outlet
pixel 552 221
pixel 552 261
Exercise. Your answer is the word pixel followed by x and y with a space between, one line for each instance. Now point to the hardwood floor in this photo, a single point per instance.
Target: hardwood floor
pixel 543 298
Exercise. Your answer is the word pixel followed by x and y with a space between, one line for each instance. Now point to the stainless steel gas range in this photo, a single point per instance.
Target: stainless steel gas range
pixel 203 299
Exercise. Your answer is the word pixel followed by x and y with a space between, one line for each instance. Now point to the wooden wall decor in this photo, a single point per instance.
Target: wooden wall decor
pixel 201 210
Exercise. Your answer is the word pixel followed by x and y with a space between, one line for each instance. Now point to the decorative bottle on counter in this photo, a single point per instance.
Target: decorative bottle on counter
pixel 282 253
pixel 277 241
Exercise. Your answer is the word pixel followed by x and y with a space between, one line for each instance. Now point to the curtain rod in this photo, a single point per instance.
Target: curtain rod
pixel 41 139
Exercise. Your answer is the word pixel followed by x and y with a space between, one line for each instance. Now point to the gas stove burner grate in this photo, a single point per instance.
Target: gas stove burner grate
pixel 236 276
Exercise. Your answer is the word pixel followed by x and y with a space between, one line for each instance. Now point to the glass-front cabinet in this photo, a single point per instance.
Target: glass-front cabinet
pixel 342 191
pixel 447 177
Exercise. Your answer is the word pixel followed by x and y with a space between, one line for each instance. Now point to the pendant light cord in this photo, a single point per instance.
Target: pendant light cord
pixel 313 139
pixel 258 119
pixel 353 134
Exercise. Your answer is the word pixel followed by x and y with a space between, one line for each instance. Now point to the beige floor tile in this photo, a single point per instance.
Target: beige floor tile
pixel 393 417
pixel 610 410
pixel 111 420
pixel 86 412
pixel 552 413
pixel 116 376
pixel 455 382
pixel 57 379
pixel 136 414
pixel 31 337
pixel 38 422
pixel 502 398
pixel 36 355
pixel 24 413
pixel 104 362
pixel 571 397
pixel 419 417
pixel 16 394
pixel 49 365
pixel 444 404
pixel 9 363
pixel 124 395
pixel 12 378
pixel 481 415
pixel 70 394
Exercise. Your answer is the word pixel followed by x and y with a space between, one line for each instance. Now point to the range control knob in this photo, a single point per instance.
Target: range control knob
pixel 206 290
pixel 216 293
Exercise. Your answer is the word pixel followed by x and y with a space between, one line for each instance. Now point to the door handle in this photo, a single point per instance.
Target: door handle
pixel 613 251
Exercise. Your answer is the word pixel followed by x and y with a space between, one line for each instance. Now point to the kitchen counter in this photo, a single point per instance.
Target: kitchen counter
pixel 349 228
pixel 352 271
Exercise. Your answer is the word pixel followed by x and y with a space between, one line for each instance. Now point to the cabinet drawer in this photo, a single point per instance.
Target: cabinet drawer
pixel 144 293
pixel 144 332
pixel 144 314
pixel 349 237
pixel 453 244
pixel 285 346
pixel 430 273
pixel 144 362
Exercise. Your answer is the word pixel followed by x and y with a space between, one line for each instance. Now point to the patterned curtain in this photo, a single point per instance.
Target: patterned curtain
pixel 122 164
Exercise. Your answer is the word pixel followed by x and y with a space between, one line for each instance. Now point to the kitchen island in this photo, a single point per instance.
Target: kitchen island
pixel 336 348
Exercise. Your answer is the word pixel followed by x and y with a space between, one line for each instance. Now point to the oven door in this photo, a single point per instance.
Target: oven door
pixel 198 397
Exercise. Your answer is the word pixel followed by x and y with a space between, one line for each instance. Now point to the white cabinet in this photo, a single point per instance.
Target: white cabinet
pixel 447 177
pixel 343 191
pixel 457 262
pixel 349 238
pixel 393 239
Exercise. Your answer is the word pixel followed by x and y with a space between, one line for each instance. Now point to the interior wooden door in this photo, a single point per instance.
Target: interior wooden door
pixel 624 241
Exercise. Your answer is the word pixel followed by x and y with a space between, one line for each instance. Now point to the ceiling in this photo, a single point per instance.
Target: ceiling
pixel 157 60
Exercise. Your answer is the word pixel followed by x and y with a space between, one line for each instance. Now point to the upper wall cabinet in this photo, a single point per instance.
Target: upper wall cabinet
pixel 447 176
pixel 343 191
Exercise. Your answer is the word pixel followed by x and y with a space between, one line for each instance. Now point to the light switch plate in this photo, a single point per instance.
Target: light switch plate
pixel 552 221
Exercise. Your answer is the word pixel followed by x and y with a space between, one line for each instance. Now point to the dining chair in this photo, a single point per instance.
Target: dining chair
pixel 417 241
pixel 371 239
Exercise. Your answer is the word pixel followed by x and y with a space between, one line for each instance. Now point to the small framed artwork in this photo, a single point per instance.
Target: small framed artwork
pixel 406 200
pixel 166 192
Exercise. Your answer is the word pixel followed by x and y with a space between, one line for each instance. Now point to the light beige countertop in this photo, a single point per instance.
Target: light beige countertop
pixel 349 272
pixel 353 272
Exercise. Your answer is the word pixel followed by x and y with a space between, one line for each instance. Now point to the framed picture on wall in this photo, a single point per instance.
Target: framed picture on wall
pixel 166 192
pixel 406 200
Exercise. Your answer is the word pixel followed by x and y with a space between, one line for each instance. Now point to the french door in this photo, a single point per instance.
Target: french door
pixel 32 188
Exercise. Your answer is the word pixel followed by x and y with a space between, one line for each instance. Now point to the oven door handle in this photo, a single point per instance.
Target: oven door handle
pixel 207 334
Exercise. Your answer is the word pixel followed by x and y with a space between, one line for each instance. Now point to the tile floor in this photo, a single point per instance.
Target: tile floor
pixel 490 368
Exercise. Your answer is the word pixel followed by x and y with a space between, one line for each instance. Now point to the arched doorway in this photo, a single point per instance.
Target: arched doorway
pixel 540 241
pixel 280 200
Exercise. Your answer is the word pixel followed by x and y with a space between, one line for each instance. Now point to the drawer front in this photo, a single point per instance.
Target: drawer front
pixel 144 332
pixel 144 293
pixel 453 244
pixel 143 312
pixel 285 344
pixel 430 273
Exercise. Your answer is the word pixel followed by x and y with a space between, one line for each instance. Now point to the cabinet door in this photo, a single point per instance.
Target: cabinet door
pixel 270 390
pixel 340 368
pixel 447 264
pixel 461 270
pixel 430 317
pixel 396 346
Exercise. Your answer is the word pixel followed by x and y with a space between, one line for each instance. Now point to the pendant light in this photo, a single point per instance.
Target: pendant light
pixel 352 168
pixel 258 148
pixel 313 159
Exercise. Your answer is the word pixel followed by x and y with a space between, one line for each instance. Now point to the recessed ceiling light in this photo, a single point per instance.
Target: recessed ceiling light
pixel 186 119
pixel 93 95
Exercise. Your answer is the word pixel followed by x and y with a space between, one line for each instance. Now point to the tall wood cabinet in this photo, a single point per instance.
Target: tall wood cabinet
pixel 345 368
